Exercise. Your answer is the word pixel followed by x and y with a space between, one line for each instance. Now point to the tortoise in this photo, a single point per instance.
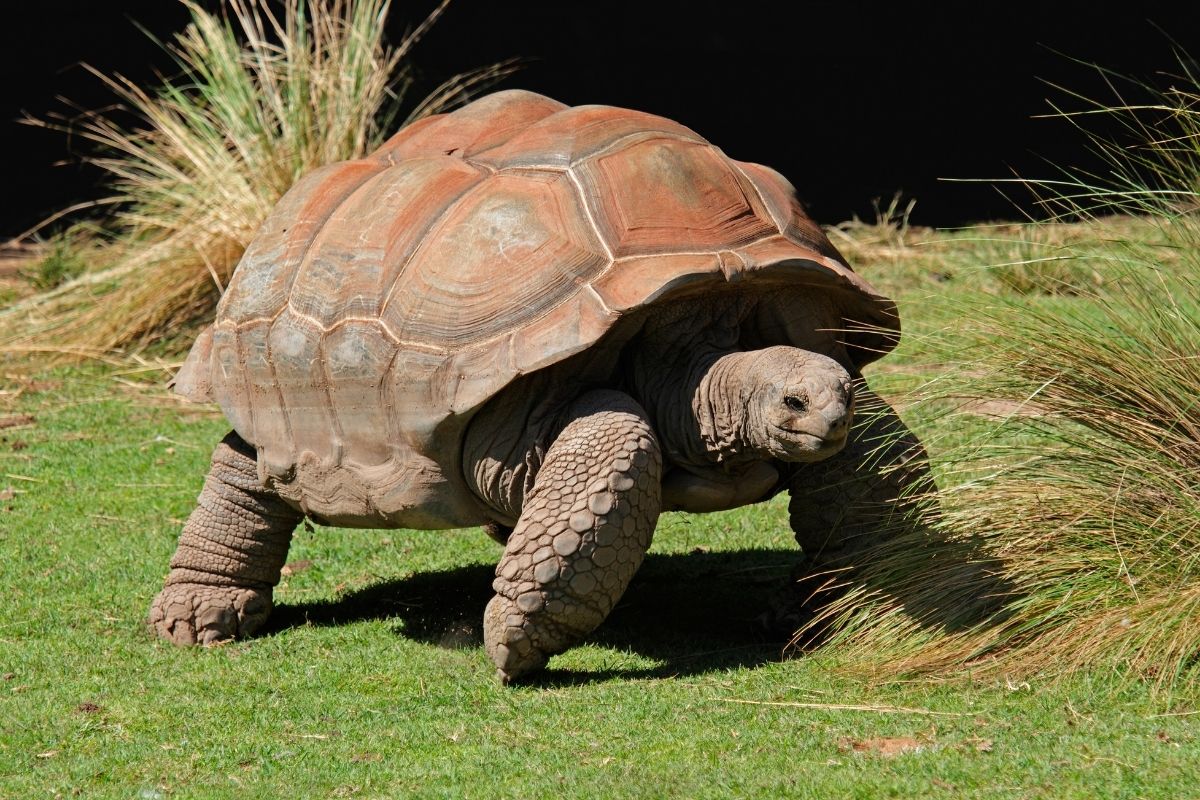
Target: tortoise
pixel 553 322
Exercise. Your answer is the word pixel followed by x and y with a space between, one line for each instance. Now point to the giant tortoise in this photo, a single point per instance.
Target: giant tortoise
pixel 554 322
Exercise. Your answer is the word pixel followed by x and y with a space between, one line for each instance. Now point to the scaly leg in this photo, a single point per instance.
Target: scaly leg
pixel 230 553
pixel 583 531
pixel 877 486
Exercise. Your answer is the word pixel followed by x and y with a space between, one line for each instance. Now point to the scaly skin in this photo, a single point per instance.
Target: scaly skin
pixel 583 532
pixel 230 554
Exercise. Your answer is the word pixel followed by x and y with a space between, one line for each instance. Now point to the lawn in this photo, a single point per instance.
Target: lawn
pixel 371 680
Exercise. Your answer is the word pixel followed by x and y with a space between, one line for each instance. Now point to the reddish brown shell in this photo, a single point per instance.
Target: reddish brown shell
pixel 383 296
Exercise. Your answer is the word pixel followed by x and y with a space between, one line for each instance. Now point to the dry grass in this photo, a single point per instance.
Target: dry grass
pixel 1069 530
pixel 260 98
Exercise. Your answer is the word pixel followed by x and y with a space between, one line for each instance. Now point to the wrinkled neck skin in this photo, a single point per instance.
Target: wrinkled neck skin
pixel 699 407
pixel 722 414
pixel 720 392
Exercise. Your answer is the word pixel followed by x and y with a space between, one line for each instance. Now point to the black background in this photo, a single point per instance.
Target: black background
pixel 851 101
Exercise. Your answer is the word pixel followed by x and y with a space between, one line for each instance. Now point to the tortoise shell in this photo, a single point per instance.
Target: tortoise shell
pixel 385 299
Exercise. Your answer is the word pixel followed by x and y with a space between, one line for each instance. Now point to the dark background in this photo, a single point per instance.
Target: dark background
pixel 851 101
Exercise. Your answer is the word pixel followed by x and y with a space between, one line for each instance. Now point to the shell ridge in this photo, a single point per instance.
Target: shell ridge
pixel 590 215
pixel 596 296
pixel 389 407
pixel 622 141
pixel 671 253
pixel 480 165
pixel 410 343
pixel 557 169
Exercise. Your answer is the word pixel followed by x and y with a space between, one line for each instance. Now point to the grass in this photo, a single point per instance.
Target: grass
pixel 62 258
pixel 262 96
pixel 1057 389
pixel 1055 382
pixel 371 681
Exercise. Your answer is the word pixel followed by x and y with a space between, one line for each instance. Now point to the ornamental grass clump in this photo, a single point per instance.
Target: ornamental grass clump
pixel 262 95
pixel 1069 531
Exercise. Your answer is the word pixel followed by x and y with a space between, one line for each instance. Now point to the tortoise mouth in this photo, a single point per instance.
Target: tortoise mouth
pixel 798 446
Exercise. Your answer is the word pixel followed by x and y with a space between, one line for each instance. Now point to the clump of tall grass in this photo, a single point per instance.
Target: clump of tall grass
pixel 263 94
pixel 1070 519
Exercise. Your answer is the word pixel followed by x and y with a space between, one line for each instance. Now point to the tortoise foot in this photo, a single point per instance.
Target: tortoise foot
pixel 191 613
pixel 508 641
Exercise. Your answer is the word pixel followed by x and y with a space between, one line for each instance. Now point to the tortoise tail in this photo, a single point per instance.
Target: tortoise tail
pixel 194 379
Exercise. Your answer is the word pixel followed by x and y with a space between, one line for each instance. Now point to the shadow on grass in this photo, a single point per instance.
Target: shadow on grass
pixel 691 613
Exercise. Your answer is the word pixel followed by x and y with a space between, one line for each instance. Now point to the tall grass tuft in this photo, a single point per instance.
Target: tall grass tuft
pixel 1070 518
pixel 261 96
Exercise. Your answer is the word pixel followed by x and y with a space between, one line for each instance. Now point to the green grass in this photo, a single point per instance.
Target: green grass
pixel 371 681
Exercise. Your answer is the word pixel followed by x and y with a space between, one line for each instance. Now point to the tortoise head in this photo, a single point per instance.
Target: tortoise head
pixel 781 403
pixel 801 404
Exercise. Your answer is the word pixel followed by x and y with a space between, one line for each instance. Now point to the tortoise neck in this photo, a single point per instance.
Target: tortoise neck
pixel 697 405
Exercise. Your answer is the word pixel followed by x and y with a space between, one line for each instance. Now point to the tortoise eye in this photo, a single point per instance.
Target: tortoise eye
pixel 796 404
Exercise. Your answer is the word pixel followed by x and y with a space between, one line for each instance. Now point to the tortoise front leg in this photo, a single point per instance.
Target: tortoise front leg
pixel 583 531
pixel 230 554
pixel 875 487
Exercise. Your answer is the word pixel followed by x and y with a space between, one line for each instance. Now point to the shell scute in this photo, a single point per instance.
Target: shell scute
pixel 779 196
pixel 663 195
pixel 637 281
pixel 362 248
pixel 580 320
pixel 507 252
pixel 357 356
pixel 229 387
pixel 267 418
pixel 415 383
pixel 263 279
pixel 295 344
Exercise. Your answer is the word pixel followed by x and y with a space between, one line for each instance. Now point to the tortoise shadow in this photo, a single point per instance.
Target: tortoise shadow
pixel 692 613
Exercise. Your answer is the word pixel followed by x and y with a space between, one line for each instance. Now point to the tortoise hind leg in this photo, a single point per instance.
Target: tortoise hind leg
pixel 230 554
pixel 583 531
